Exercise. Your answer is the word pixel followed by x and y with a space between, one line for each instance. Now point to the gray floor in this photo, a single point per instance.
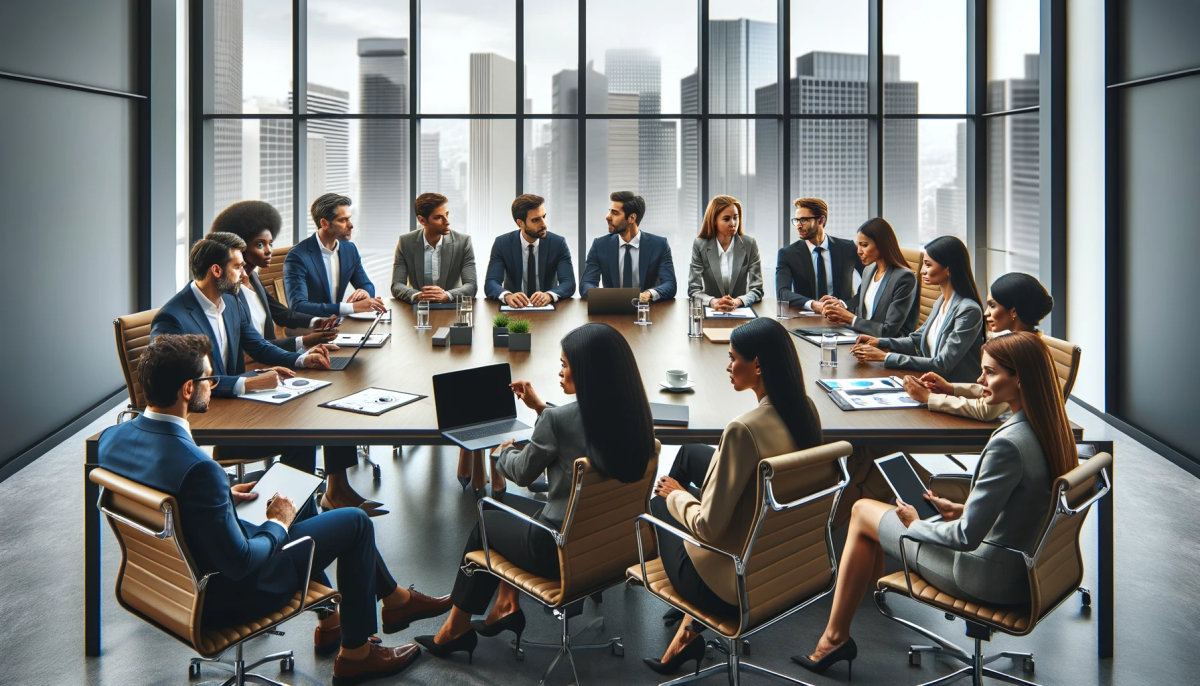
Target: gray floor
pixel 41 542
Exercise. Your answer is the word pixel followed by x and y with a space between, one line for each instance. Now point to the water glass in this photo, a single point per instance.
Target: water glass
pixel 465 309
pixel 423 314
pixel 696 318
pixel 643 312
pixel 829 350
pixel 784 307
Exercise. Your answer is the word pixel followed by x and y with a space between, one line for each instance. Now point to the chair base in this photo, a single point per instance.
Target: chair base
pixel 241 673
pixel 733 667
pixel 975 662
pixel 565 647
pixel 364 451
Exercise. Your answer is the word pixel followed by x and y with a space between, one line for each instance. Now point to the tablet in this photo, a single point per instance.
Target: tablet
pixel 906 484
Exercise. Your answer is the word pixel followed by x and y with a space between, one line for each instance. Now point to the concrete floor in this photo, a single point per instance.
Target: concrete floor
pixel 41 593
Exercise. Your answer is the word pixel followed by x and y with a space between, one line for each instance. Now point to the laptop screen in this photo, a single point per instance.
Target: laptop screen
pixel 474 396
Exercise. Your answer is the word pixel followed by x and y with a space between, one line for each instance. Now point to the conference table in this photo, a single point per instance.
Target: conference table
pixel 408 360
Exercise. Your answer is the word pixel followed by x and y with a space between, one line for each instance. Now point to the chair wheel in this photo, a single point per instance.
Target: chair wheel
pixel 376 473
pixel 914 658
pixel 746 648
pixel 708 652
pixel 1028 664
pixel 618 649
pixel 193 670
pixel 287 664
pixel 1086 598
pixel 949 617
pixel 520 654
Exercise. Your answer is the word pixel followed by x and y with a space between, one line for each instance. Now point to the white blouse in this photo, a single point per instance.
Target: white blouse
pixel 869 296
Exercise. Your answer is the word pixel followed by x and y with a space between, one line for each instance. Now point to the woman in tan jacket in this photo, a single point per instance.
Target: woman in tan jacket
pixel 1016 302
pixel 762 358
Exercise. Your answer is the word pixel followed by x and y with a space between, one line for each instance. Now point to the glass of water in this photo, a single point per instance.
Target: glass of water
pixel 423 314
pixel 464 316
pixel 829 350
pixel 643 312
pixel 784 307
pixel 696 318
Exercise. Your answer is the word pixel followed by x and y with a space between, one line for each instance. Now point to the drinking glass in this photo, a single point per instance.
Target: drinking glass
pixel 643 312
pixel 784 307
pixel 423 314
pixel 696 318
pixel 829 350
pixel 465 314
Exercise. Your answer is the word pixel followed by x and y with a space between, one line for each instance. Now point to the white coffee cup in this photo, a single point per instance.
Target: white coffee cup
pixel 677 378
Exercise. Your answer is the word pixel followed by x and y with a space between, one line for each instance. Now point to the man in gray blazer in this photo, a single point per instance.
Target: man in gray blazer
pixel 433 263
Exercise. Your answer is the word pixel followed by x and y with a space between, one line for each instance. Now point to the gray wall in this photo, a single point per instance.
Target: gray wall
pixel 69 180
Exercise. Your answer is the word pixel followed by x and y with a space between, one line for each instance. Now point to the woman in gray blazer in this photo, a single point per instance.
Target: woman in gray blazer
pixel 610 424
pixel 948 342
pixel 1008 504
pixel 886 304
pixel 726 271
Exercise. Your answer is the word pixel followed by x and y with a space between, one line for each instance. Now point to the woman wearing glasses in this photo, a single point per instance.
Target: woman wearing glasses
pixel 726 271
pixel 886 303
pixel 818 268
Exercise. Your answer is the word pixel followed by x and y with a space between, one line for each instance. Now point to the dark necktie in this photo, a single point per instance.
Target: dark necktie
pixel 822 275
pixel 627 268
pixel 530 272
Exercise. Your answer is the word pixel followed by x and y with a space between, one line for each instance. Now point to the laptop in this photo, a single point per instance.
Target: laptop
pixel 476 408
pixel 337 364
pixel 612 300
pixel 663 414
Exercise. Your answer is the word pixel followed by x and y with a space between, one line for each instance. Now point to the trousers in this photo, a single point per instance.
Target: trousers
pixel 529 547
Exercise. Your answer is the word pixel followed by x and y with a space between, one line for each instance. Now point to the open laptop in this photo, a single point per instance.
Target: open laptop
pixel 612 300
pixel 476 408
pixel 337 364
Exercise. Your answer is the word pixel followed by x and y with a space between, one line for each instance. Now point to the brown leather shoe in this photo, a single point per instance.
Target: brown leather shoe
pixel 326 641
pixel 380 662
pixel 418 607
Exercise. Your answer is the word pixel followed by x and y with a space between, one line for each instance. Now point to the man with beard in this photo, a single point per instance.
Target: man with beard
pixel 818 268
pixel 322 267
pixel 253 575
pixel 530 266
pixel 628 257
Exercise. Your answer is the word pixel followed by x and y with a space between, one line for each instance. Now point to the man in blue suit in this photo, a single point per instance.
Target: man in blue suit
pixel 253 576
pixel 530 250
pixel 628 258
pixel 321 267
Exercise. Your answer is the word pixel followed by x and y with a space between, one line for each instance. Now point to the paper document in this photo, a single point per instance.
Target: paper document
pixel 370 316
pixel 281 479
pixel 888 383
pixel 883 400
pixel 528 308
pixel 288 389
pixel 739 313
pixel 373 401
pixel 353 340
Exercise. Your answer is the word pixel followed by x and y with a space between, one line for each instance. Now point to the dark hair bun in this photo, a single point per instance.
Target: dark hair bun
pixel 1025 294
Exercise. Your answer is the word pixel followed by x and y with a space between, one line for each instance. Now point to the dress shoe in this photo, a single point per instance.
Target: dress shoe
pixel 464 481
pixel 694 650
pixel 418 607
pixel 379 662
pixel 326 641
pixel 462 644
pixel 846 651
pixel 513 621
pixel 371 507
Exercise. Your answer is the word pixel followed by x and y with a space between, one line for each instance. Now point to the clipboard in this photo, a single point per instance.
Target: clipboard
pixel 373 401
pixel 281 479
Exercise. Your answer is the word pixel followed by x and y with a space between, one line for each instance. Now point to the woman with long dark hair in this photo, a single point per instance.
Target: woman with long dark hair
pixel 1010 495
pixel 887 302
pixel 762 358
pixel 610 424
pixel 948 342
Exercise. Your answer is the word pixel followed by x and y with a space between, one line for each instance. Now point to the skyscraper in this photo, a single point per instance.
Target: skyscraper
pixel 316 168
pixel 266 155
pixel 382 206
pixel 689 189
pixel 492 187
pixel 563 199
pixel 227 98
pixel 431 162
pixel 951 199
pixel 623 163
pixel 1014 175
pixel 336 132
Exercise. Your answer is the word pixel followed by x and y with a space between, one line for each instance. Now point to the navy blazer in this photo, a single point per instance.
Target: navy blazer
pixel 251 574
pixel 184 314
pixel 278 314
pixel 556 273
pixel 307 283
pixel 655 269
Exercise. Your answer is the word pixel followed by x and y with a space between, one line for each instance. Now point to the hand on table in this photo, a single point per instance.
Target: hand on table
pixel 725 303
pixel 645 296
pixel 317 358
pixel 434 294
pixel 524 391
pixel 367 304
pixel 540 299
pixel 836 314
pixel 241 493
pixel 358 294
pixel 665 486
pixel 936 383
pixel 516 300
pixel 319 337
pixel 916 390
pixel 281 510
pixel 327 323
pixel 867 353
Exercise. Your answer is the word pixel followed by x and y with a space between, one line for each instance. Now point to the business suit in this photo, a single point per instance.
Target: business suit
pixel 1010 493
pixel 796 278
pixel 307 282
pixel 456 266
pixel 959 343
pixel 745 276
pixel 506 265
pixel 253 576
pixel 655 268
pixel 896 307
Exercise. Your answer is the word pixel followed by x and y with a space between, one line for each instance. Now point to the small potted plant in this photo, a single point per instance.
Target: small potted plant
pixel 518 334
pixel 500 330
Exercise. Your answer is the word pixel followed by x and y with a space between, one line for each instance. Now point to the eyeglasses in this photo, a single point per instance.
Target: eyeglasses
pixel 212 380
pixel 804 220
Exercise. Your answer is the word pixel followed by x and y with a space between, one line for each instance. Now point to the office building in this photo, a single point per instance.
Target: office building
pixel 431 163
pixel 1014 178
pixel 564 153
pixel 492 187
pixel 266 153
pixel 336 132
pixel 623 162
pixel 951 207
pixel 382 208
pixel 226 97
pixel 690 209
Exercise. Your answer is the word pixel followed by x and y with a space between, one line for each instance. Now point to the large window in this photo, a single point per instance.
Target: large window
pixel 678 100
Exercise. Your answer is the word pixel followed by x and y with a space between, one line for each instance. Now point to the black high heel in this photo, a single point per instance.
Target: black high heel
pixel 694 650
pixel 462 644
pixel 513 621
pixel 846 651
pixel 464 481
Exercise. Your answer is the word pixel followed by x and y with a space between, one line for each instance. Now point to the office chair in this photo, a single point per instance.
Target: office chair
pixel 928 294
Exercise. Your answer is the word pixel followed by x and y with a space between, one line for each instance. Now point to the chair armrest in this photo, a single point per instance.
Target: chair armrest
pixel 1029 559
pixel 953 487
pixel 167 530
pixel 1066 508
pixel 496 505
pixel 779 507
pixel 312 548
pixel 678 533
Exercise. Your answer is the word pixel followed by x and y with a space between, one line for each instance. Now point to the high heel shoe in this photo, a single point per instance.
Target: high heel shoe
pixel 462 644
pixel 694 650
pixel 464 481
pixel 513 621
pixel 846 651
pixel 498 495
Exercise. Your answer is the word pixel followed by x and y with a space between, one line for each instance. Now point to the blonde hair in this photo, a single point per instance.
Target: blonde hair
pixel 708 228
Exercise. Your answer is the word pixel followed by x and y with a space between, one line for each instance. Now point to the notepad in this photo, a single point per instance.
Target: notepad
pixel 873 400
pixel 887 383
pixel 528 308
pixel 281 479
pixel 288 389
pixel 738 313
pixel 354 340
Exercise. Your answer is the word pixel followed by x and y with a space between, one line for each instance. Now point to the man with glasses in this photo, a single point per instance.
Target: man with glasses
pixel 253 575
pixel 819 268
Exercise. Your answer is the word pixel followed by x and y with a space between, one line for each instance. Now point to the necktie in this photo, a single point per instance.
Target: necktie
pixel 530 272
pixel 428 268
pixel 822 275
pixel 627 268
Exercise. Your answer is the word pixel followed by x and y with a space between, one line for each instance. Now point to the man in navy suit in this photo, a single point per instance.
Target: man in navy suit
pixel 321 267
pixel 530 250
pixel 628 258
pixel 253 576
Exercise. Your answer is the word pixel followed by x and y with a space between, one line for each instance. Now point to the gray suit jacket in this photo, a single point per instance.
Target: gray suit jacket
pixel 958 345
pixel 745 279
pixel 896 307
pixel 1010 495
pixel 556 443
pixel 456 269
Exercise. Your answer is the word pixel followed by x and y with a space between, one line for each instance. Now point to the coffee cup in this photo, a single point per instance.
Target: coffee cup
pixel 677 378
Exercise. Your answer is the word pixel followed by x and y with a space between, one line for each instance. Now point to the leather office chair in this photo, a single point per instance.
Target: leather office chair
pixel 1066 356
pixel 1055 570
pixel 783 566
pixel 594 549
pixel 158 580
pixel 928 294
pixel 275 271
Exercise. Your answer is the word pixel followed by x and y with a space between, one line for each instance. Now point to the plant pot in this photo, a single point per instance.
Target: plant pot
pixel 460 335
pixel 519 341
pixel 499 337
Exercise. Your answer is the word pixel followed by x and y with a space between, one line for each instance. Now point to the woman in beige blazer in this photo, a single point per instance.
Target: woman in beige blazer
pixel 711 493
pixel 1016 302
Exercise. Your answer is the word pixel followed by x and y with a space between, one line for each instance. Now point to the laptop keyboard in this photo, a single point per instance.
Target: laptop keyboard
pixel 487 430
pixel 339 362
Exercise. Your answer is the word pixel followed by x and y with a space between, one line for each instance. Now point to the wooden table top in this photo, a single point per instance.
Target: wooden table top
pixel 408 360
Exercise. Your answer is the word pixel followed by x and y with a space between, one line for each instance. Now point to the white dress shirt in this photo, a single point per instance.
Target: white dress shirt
pixel 333 267
pixel 160 417
pixel 812 251
pixel 725 257
pixel 259 315
pixel 525 245
pixel 869 295
pixel 433 257
pixel 934 332
pixel 634 249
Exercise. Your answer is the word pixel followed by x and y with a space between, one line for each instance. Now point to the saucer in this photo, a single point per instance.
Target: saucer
pixel 678 389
